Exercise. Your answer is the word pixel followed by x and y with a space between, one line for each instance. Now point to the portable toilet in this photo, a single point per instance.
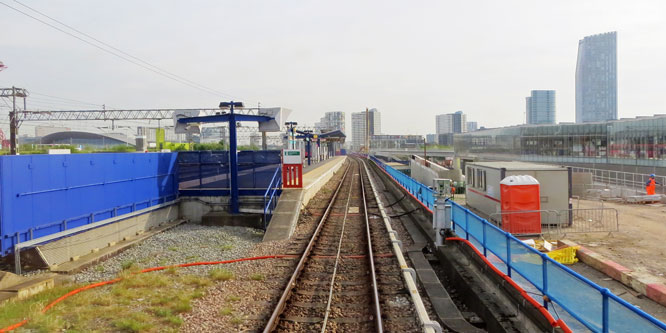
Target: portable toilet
pixel 520 193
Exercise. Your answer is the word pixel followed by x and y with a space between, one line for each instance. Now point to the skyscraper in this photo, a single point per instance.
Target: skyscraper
pixel 451 123
pixel 596 78
pixel 540 107
pixel 358 127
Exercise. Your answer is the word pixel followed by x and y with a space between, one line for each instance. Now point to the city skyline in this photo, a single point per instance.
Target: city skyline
pixel 374 66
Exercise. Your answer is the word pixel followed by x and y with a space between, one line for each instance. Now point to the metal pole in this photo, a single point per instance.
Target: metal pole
pixel 264 144
pixel 309 140
pixel 233 160
pixel 13 125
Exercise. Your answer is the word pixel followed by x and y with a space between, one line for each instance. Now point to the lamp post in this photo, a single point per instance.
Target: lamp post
pixel 292 141
pixel 233 153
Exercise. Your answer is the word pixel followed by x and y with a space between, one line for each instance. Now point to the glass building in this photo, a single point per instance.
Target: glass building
pixel 540 107
pixel 640 142
pixel 596 78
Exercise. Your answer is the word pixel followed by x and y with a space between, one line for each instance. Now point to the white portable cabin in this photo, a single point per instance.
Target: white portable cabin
pixel 483 188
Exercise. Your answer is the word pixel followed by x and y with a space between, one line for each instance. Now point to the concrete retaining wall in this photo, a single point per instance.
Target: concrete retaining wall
pixel 83 243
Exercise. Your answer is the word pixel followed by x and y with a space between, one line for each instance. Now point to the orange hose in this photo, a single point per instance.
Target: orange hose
pixel 554 323
pixel 152 269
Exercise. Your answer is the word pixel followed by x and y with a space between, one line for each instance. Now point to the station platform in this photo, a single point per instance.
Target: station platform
pixel 291 201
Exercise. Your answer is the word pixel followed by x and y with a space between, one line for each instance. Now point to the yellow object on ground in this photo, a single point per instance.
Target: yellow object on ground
pixel 565 256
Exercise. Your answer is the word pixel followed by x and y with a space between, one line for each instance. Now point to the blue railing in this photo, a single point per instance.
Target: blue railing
pixel 422 193
pixel 596 308
pixel 271 196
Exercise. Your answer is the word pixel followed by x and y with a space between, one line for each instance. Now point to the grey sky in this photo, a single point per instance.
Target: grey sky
pixel 410 59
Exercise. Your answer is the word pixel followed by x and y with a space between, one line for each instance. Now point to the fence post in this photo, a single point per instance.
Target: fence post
pixel 508 255
pixel 466 224
pixel 604 320
pixel 485 251
pixel 544 271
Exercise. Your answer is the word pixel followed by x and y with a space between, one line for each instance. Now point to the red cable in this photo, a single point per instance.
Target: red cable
pixel 554 323
pixel 152 269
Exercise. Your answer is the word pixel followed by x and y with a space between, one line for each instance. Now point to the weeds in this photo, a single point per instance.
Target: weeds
pixel 233 298
pixel 221 274
pixel 257 277
pixel 225 311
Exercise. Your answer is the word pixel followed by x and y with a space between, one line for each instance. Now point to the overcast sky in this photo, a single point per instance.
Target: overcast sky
pixel 410 59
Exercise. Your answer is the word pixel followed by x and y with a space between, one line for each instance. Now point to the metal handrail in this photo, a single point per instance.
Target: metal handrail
pixel 463 224
pixel 275 184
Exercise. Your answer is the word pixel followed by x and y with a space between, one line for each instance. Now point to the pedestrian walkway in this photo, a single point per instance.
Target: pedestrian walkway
pixel 285 216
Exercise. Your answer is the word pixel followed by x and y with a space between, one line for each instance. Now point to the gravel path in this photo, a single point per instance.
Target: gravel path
pixel 181 244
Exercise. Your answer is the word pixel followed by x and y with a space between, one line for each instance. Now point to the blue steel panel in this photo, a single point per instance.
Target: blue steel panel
pixel 51 193
pixel 211 168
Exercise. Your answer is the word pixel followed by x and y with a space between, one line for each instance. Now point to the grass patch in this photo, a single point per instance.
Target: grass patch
pixel 226 247
pixel 136 322
pixel 149 302
pixel 225 311
pixel 257 277
pixel 99 268
pixel 173 249
pixel 198 293
pixel 220 274
pixel 127 264
pixel 236 321
pixel 233 298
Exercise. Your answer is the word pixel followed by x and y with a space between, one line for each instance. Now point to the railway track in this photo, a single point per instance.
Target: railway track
pixel 347 279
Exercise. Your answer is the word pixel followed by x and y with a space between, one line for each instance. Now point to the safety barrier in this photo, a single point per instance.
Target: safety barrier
pixel 422 193
pixel 557 223
pixel 271 196
pixel 593 306
pixel 41 195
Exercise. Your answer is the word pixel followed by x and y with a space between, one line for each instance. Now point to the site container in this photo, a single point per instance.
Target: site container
pixel 483 187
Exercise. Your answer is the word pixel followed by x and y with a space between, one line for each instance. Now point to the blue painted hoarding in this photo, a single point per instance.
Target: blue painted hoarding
pixel 44 194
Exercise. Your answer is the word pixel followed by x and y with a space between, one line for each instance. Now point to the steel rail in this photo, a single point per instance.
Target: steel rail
pixel 274 319
pixel 378 312
pixel 408 273
pixel 337 259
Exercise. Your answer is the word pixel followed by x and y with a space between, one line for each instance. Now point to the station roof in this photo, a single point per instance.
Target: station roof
pixel 60 137
pixel 517 165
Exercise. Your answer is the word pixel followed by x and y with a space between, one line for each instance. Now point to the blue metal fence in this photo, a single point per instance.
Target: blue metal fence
pixel 271 195
pixel 45 194
pixel 423 193
pixel 204 173
pixel 594 307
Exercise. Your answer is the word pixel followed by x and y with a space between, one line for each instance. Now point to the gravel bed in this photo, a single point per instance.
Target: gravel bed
pixel 257 297
pixel 182 244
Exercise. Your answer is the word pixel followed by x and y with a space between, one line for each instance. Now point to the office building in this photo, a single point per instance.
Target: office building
pixel 631 143
pixel 331 121
pixel 540 107
pixel 596 78
pixel 448 124
pixel 472 126
pixel 431 138
pixel 359 127
pixel 451 123
pixel 396 141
